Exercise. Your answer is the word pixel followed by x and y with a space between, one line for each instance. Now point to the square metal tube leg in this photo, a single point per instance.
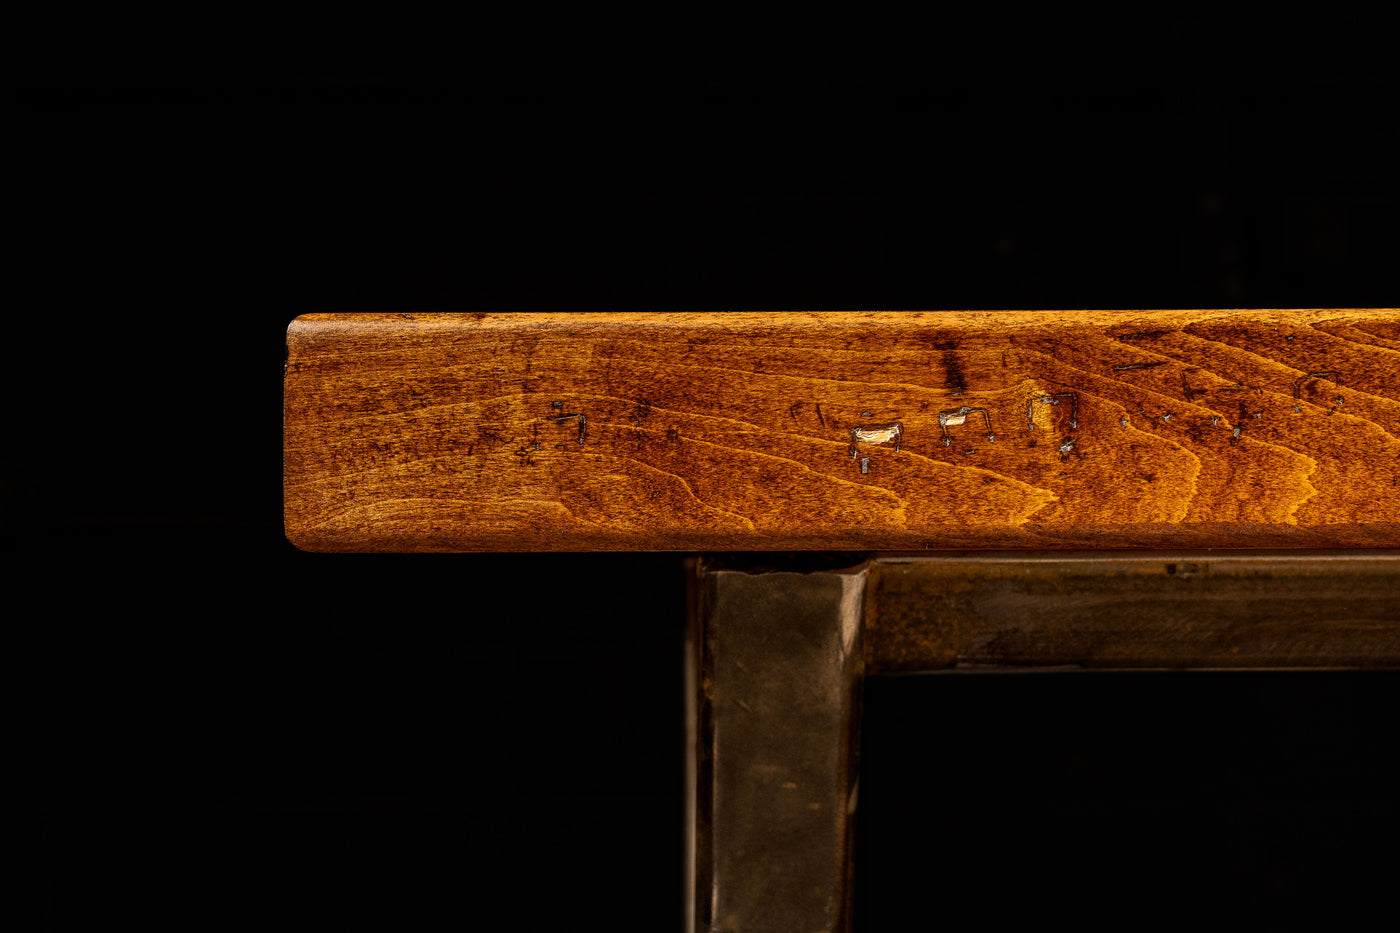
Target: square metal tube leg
pixel 776 661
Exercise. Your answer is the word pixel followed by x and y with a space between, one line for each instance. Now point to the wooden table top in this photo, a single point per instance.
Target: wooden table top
pixel 862 430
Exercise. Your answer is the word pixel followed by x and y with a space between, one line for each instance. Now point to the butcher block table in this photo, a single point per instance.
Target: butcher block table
pixel 879 493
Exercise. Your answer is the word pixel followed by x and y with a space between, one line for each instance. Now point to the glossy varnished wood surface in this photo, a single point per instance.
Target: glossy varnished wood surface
pixel 871 431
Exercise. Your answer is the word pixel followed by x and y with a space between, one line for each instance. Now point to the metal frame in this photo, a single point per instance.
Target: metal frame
pixel 779 650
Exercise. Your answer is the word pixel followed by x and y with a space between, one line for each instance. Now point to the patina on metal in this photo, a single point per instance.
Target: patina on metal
pixel 1134 610
pixel 777 662
pixel 779 648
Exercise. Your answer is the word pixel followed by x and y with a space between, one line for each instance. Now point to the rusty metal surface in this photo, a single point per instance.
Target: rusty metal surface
pixel 1198 610
pixel 776 660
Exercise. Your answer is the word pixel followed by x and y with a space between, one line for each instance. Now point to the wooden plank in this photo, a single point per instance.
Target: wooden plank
pixel 1177 610
pixel 866 431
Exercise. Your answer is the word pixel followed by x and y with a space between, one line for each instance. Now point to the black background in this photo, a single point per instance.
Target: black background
pixel 222 731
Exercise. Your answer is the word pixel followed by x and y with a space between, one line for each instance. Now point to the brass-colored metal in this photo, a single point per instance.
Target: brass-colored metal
pixel 779 648
pixel 1198 610
pixel 777 662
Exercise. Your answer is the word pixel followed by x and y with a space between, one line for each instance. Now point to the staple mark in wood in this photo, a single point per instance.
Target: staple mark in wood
pixel 888 431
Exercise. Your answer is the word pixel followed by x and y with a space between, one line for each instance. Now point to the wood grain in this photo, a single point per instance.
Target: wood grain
pixel 864 431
